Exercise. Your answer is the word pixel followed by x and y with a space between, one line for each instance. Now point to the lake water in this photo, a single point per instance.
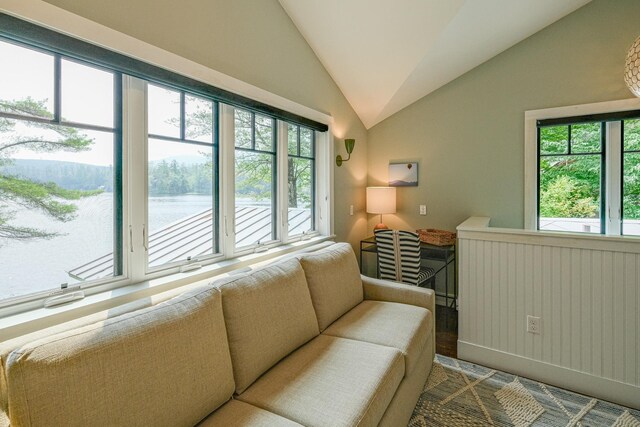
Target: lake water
pixel 37 265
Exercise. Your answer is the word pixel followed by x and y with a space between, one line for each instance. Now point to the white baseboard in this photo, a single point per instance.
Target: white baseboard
pixel 601 388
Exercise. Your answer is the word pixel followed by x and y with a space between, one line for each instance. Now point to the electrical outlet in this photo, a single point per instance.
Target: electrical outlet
pixel 423 209
pixel 534 325
pixel 351 210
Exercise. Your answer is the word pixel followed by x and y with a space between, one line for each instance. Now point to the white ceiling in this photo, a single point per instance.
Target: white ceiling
pixel 387 54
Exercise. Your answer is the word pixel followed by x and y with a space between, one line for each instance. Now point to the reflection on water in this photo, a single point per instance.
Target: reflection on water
pixel 37 265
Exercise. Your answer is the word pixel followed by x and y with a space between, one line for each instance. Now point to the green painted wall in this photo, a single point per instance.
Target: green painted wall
pixel 256 42
pixel 469 135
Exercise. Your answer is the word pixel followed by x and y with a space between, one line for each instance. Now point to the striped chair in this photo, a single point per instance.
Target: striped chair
pixel 399 258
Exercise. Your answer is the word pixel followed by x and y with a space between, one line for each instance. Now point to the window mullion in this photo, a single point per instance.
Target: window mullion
pixel 283 188
pixel 57 88
pixel 228 179
pixel 314 202
pixel 603 179
pixel 183 119
pixel 276 174
pixel 135 169
pixel 119 190
pixel 613 177
pixel 324 181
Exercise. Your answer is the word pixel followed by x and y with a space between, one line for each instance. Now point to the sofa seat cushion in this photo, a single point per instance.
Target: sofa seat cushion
pixel 166 365
pixel 269 314
pixel 239 414
pixel 331 382
pixel 405 327
pixel 334 281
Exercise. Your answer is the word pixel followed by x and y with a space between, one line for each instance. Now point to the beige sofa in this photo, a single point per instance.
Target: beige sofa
pixel 306 341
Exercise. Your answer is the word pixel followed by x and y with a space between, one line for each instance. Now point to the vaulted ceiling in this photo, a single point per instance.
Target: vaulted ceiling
pixel 387 54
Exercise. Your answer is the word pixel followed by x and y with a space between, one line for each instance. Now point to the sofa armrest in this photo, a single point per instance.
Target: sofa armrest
pixel 4 400
pixel 386 290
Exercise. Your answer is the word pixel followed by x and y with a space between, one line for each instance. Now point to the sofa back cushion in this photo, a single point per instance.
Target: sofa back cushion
pixel 165 365
pixel 334 281
pixel 268 314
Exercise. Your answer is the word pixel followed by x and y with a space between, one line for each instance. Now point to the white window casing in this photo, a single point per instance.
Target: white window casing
pixel 282 187
pixel 134 174
pixel 227 179
pixel 612 155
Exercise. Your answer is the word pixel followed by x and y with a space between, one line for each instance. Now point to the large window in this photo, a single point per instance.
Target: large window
pixel 182 172
pixel 571 178
pixel 588 170
pixel 631 177
pixel 60 172
pixel 300 179
pixel 115 172
pixel 255 179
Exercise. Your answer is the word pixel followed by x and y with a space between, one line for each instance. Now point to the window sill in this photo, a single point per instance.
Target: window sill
pixel 15 325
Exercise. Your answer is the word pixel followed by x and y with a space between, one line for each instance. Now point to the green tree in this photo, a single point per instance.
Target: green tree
pixel 253 169
pixel 299 177
pixel 570 184
pixel 631 168
pixel 563 199
pixel 46 197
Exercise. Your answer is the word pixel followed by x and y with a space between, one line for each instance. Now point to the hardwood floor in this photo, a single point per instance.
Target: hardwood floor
pixel 446 331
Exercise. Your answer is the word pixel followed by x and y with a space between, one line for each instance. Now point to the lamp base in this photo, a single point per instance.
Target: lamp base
pixel 380 226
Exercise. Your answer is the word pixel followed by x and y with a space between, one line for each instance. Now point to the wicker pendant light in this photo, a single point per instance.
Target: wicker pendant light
pixel 632 68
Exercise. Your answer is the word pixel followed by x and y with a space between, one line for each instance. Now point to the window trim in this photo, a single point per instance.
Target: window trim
pixel 62 21
pixel 215 146
pixel 604 170
pixel 120 260
pixel 285 164
pixel 531 167
pixel 35 35
pixel 276 153
pixel 79 28
pixel 620 175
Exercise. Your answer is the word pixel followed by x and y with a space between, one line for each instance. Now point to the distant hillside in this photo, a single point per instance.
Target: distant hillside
pixel 69 175
pixel 173 175
pixel 186 160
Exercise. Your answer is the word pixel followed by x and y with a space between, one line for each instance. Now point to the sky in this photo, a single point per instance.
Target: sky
pixel 87 98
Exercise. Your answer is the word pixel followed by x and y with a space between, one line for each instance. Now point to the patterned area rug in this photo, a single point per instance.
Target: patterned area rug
pixel 458 393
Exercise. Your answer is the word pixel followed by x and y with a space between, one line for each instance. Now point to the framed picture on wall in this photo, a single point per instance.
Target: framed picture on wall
pixel 403 174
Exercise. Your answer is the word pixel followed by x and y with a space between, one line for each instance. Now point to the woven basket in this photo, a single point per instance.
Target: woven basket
pixel 436 237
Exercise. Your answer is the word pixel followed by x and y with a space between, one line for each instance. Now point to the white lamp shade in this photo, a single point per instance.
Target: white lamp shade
pixel 381 200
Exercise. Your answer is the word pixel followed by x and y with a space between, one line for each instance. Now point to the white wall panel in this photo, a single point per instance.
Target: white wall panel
pixel 586 293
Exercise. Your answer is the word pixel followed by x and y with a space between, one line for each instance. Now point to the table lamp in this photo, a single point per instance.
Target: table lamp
pixel 381 200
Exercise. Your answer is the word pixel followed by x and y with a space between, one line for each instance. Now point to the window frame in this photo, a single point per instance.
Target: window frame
pixel 612 174
pixel 276 231
pixel 623 151
pixel 120 260
pixel 312 159
pixel 81 41
pixel 123 57
pixel 603 168
pixel 215 146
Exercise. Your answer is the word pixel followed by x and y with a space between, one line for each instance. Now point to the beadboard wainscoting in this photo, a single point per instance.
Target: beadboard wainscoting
pixel 584 288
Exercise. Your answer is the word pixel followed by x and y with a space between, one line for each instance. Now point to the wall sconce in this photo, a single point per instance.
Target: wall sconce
pixel 348 144
pixel 632 68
